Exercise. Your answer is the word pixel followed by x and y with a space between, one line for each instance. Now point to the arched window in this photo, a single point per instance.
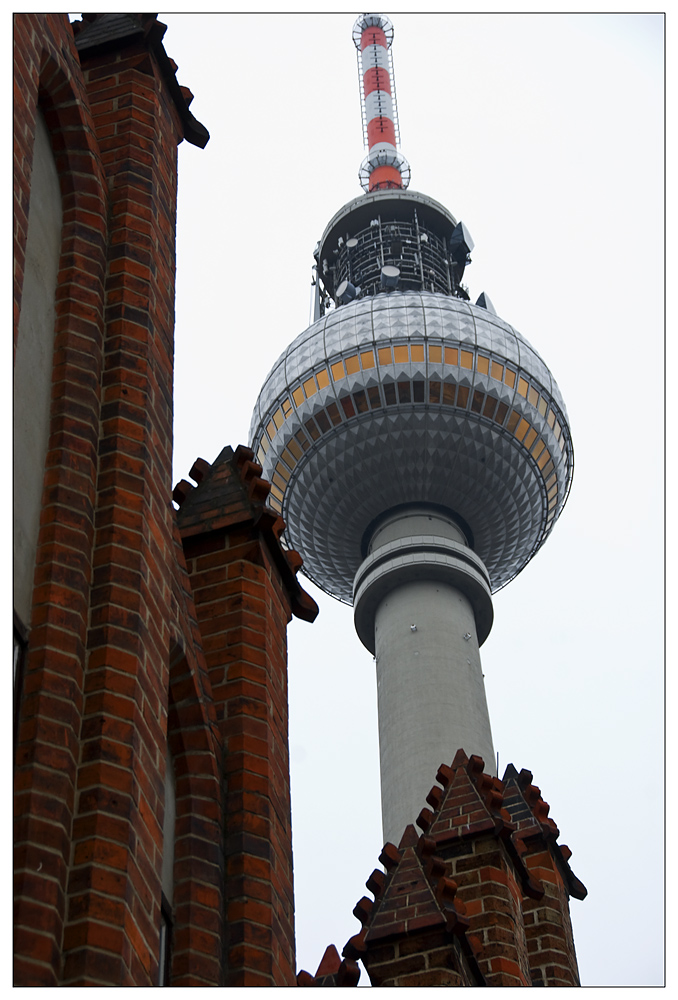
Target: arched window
pixel 33 363
pixel 165 957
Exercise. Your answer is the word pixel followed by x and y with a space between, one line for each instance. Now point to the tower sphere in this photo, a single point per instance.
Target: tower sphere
pixel 404 393
pixel 418 449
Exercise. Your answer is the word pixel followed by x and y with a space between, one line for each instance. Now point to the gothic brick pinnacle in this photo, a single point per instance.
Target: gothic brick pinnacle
pixel 97 33
pixel 416 925
pixel 529 813
pixel 332 971
pixel 231 492
pixel 461 812
pixel 469 804
pixel 415 894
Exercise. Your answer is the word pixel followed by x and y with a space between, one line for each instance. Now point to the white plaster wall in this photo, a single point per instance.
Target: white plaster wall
pixel 33 364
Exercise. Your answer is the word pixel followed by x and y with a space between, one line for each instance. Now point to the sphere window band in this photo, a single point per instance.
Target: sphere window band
pixel 399 355
pixel 446 391
pixel 415 353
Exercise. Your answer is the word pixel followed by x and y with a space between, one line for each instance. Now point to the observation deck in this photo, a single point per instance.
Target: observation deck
pixel 409 397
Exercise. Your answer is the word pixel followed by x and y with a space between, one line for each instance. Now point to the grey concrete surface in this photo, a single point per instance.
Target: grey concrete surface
pixel 415 605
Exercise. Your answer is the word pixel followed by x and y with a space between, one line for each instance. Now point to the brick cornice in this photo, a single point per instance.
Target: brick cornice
pixel 97 34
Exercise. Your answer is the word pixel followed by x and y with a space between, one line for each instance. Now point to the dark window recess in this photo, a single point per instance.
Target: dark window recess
pixel 418 390
pixel 322 421
pixel 404 392
pixel 477 404
pixel 347 406
pixel 312 429
pixel 303 440
pixel 165 956
pixel 333 411
pixel 500 415
pixel 448 394
pixel 462 397
pixel 434 392
pixel 489 406
pixel 360 400
pixel 374 397
pixel 389 393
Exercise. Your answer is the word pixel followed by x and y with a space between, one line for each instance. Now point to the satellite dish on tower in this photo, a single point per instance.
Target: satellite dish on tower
pixel 390 276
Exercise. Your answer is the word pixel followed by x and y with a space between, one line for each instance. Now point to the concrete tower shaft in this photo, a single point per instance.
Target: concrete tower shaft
pixel 422 606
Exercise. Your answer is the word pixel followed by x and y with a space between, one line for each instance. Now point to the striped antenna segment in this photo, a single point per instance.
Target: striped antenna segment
pixel 384 166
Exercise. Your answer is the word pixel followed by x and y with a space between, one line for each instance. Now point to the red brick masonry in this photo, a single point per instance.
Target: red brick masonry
pixel 479 899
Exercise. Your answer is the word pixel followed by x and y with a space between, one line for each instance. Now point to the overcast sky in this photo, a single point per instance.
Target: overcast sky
pixel 544 134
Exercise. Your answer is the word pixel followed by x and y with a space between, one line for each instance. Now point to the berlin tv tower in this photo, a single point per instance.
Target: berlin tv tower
pixel 418 447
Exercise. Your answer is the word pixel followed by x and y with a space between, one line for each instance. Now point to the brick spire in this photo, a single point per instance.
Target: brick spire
pixel 479 899
pixel 548 928
pixel 414 933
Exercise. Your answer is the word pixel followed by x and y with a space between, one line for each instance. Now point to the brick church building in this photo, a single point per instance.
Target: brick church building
pixel 151 761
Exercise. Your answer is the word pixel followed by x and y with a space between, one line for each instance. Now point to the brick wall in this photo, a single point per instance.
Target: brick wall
pixel 548 928
pixel 244 592
pixel 92 727
pixel 195 744
pixel 112 888
pixel 48 734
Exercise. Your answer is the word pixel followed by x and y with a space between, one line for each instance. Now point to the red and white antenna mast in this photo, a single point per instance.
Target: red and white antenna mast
pixel 384 166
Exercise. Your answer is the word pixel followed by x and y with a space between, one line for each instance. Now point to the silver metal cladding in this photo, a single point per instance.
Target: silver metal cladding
pixel 412 397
